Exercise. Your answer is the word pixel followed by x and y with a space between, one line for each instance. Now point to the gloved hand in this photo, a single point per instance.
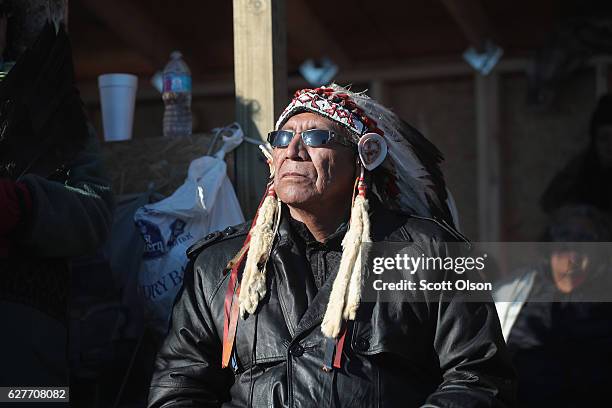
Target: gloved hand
pixel 15 205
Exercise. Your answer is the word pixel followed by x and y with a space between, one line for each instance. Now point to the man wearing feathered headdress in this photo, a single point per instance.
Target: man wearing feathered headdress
pixel 272 312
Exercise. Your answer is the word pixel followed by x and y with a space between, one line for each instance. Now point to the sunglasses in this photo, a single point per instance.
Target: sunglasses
pixel 312 138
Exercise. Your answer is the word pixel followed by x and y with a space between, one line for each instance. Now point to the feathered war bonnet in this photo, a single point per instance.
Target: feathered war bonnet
pixel 405 175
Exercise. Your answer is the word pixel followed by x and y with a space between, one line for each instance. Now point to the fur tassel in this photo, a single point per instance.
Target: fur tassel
pixel 346 290
pixel 353 296
pixel 253 284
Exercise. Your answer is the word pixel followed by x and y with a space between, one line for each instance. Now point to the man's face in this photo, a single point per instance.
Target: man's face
pixel 603 142
pixel 309 177
pixel 569 269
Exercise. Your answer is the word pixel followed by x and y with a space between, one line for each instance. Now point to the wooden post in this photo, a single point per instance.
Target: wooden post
pixel 488 170
pixel 260 75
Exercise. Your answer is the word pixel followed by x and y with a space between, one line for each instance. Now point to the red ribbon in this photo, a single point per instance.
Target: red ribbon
pixel 231 303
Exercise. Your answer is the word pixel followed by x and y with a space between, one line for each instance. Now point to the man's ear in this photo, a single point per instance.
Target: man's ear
pixel 372 149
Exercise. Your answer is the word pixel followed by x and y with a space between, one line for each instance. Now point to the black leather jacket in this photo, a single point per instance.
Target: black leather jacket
pixel 396 354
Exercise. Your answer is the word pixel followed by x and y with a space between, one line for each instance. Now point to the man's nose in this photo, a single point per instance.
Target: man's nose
pixel 296 149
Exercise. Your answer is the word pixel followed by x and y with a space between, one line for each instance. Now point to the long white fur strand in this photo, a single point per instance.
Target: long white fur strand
pixel 253 284
pixel 351 244
pixel 353 295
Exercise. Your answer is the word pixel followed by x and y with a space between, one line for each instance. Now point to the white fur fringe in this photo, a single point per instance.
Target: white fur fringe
pixel 253 284
pixel 346 290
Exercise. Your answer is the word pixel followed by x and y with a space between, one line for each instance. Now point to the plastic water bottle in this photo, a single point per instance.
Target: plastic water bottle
pixel 177 97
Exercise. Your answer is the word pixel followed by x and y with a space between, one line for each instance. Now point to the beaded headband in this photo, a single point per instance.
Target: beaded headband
pixel 335 106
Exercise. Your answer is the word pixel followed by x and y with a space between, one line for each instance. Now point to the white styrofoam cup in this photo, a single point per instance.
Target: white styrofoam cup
pixel 117 97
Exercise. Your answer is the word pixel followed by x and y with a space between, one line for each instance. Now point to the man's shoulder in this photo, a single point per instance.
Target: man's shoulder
pixel 435 227
pixel 407 226
pixel 218 240
pixel 211 254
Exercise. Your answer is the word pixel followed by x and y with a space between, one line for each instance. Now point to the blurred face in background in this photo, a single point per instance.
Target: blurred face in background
pixel 313 177
pixel 603 142
pixel 569 269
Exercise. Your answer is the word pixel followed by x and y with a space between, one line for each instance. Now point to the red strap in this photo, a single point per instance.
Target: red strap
pixel 231 308
pixel 227 308
pixel 228 340
pixel 231 304
pixel 339 347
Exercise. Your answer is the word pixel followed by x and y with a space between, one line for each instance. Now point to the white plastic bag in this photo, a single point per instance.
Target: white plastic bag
pixel 205 202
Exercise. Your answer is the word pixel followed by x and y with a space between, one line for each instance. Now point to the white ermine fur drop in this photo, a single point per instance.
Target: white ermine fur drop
pixel 346 290
pixel 253 284
pixel 354 290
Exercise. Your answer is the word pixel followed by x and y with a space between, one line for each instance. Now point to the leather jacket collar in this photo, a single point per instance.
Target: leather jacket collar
pixel 302 304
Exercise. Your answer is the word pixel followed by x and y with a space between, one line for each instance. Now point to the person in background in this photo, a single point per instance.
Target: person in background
pixel 586 178
pixel 55 200
pixel 558 336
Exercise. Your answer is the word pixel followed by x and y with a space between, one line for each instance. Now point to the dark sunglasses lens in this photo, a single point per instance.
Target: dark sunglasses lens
pixel 316 137
pixel 280 138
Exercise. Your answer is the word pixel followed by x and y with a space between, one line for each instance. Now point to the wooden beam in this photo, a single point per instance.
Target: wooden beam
pixel 473 21
pixel 146 93
pixel 412 71
pixel 260 76
pixel 135 27
pixel 488 168
pixel 91 64
pixel 311 37
pixel 375 76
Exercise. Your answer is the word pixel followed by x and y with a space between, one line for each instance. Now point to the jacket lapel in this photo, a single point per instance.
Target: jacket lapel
pixel 315 312
pixel 293 276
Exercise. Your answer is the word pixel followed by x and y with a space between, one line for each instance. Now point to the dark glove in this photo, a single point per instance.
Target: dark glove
pixel 15 205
